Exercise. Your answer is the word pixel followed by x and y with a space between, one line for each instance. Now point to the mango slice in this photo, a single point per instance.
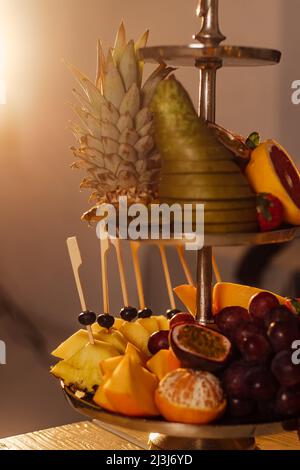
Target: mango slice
pixel 131 389
pixel 107 366
pixel 225 294
pixel 187 295
pixel 100 399
pixel 162 363
pixel 135 353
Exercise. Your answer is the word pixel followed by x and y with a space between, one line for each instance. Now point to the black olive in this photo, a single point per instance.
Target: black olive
pixel 87 318
pixel 128 313
pixel 105 320
pixel 145 313
pixel 171 312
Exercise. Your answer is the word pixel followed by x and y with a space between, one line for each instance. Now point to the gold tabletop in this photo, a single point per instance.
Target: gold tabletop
pixel 96 436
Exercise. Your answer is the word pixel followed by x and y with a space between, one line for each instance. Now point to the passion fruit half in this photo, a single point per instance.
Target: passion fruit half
pixel 199 347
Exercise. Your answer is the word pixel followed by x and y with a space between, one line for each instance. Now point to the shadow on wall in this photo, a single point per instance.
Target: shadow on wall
pixel 17 323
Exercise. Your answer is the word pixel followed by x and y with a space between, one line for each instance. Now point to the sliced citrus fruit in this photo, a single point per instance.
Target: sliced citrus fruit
pixel 225 294
pixel 190 396
pixel 271 170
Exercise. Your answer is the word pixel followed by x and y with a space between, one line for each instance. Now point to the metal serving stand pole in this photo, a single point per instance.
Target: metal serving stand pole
pixel 210 36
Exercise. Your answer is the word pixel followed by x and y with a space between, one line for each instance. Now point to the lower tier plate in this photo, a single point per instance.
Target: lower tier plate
pixel 190 431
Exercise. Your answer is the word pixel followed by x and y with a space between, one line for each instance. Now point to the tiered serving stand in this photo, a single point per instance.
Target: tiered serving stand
pixel 208 56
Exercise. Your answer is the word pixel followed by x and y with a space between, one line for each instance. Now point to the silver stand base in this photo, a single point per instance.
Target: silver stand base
pixel 162 442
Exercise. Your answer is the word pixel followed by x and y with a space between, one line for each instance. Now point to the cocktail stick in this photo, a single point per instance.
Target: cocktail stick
pixel 135 246
pixel 104 248
pixel 117 244
pixel 216 269
pixel 167 275
pixel 185 266
pixel 76 262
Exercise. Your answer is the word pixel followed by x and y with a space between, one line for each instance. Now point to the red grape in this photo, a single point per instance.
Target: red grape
pixel 282 335
pixel 246 330
pixel 158 341
pixel 261 384
pixel 282 314
pixel 241 407
pixel 234 380
pixel 230 318
pixel 287 373
pixel 288 401
pixel 182 317
pixel 252 342
pixel 256 349
pixel 261 304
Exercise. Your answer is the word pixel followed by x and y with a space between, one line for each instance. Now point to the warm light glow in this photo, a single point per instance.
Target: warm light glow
pixel 2 80
pixel 2 91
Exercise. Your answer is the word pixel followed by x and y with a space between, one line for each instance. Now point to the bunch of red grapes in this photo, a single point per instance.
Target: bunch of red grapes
pixel 261 380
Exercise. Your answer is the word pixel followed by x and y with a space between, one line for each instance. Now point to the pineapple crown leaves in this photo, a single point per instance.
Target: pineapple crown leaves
pixel 115 138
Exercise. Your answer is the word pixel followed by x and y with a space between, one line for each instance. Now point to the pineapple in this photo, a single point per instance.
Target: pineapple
pixel 115 142
pixel 79 339
pixel 82 369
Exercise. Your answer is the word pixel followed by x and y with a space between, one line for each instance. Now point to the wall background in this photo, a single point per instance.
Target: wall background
pixel 39 198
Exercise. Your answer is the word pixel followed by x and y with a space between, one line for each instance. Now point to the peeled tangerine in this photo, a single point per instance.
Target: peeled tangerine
pixel 225 294
pixel 190 396
pixel 162 363
pixel 271 170
pixel 129 390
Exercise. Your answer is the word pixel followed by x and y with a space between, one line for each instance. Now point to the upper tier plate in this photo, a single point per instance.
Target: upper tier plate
pixel 238 239
pixel 230 56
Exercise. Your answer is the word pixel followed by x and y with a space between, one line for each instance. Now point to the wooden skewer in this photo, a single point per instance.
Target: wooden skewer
pixel 104 248
pixel 185 266
pixel 117 244
pixel 216 270
pixel 76 262
pixel 135 246
pixel 167 275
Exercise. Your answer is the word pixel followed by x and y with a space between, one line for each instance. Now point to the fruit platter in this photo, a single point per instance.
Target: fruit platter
pixel 225 367
pixel 235 379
